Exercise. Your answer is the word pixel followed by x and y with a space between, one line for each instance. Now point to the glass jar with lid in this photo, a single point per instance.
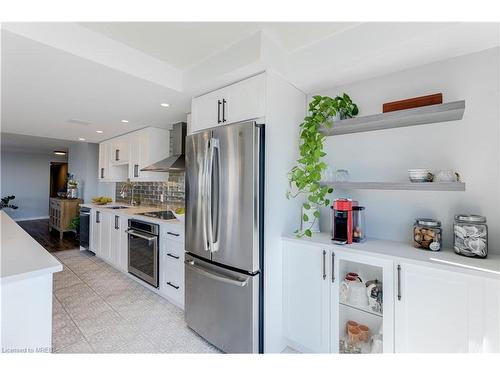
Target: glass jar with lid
pixel 471 236
pixel 427 234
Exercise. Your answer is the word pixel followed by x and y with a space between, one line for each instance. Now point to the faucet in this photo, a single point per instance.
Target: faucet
pixel 125 186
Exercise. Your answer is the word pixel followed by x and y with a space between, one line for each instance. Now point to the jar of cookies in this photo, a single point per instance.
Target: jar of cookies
pixel 427 234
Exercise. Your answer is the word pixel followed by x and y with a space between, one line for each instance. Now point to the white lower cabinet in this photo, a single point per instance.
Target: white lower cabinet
pixel 439 311
pixel 95 232
pixel 105 223
pixel 349 304
pixel 306 297
pixel 172 265
pixel 108 239
pixel 423 308
pixel 118 254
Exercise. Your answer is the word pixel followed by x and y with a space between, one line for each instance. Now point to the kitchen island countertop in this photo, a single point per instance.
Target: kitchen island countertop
pixel 21 256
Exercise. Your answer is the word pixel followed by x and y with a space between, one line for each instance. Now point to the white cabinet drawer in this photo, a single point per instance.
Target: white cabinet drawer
pixel 173 233
pixel 172 276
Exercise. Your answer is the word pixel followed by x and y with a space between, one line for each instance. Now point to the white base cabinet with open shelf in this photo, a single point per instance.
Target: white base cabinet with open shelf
pixel 378 318
pixel 426 308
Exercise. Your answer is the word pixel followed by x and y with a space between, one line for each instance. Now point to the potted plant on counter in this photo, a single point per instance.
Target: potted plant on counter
pixel 305 176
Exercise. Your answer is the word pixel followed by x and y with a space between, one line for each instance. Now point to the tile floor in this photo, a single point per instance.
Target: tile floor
pixel 98 309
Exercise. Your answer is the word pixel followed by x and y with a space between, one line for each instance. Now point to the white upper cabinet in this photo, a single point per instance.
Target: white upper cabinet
pixel 306 297
pixel 123 157
pixel 147 146
pixel 103 161
pixel 245 100
pixel 438 311
pixel 241 101
pixel 120 150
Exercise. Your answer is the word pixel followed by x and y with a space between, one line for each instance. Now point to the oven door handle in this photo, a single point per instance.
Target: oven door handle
pixel 137 234
pixel 215 276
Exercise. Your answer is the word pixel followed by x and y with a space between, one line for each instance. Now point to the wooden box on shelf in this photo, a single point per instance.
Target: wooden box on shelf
pixel 61 212
pixel 420 101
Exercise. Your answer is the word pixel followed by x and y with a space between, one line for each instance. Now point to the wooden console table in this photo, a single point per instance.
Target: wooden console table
pixel 61 212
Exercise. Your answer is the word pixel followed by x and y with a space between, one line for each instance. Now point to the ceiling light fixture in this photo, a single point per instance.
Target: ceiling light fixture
pixel 81 139
pixel 124 120
pixel 61 153
pixel 99 131
pixel 165 105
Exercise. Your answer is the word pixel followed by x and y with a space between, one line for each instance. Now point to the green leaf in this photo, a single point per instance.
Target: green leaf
pixel 305 176
pixel 305 218
pixel 316 214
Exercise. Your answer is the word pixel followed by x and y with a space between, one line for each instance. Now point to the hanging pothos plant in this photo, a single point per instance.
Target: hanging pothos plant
pixel 305 177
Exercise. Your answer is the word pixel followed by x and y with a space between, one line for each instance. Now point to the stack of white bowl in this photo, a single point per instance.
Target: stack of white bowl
pixel 420 175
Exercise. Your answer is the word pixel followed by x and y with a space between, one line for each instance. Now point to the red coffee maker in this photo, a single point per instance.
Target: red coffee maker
pixel 342 220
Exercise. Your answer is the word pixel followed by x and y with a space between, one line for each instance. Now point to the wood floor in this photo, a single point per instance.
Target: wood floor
pixel 39 230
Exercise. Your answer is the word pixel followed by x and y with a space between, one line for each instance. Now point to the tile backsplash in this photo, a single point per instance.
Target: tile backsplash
pixel 149 193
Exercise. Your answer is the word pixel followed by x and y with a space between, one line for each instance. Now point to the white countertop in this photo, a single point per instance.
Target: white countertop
pixel 133 212
pixel 489 266
pixel 21 256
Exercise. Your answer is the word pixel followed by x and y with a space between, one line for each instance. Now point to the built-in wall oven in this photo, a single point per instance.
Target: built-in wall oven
pixel 143 240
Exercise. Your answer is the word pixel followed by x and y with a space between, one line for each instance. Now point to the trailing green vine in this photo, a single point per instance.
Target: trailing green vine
pixel 305 177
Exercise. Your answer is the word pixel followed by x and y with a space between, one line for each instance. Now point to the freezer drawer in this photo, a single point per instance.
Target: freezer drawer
pixel 222 306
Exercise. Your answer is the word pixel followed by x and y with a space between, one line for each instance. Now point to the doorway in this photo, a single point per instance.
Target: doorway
pixel 58 175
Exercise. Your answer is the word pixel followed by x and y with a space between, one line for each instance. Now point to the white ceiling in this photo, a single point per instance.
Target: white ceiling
pixel 105 72
pixel 44 87
pixel 184 44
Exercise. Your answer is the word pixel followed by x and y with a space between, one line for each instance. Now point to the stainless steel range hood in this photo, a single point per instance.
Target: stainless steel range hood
pixel 175 162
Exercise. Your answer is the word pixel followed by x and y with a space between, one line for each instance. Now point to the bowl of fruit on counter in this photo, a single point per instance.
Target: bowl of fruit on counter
pixel 179 213
pixel 101 200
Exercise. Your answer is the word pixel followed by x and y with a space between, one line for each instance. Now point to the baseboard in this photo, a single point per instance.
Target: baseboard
pixel 31 218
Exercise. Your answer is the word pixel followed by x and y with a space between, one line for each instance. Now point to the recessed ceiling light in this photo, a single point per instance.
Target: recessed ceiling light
pixel 81 139
pixel 99 131
pixel 165 105
pixel 124 120
pixel 62 153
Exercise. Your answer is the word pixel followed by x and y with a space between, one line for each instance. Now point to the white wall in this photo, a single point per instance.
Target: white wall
pixel 27 176
pixel 285 109
pixel 469 146
pixel 83 163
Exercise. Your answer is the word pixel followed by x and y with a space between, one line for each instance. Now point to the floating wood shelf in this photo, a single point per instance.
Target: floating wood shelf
pixel 424 186
pixel 398 119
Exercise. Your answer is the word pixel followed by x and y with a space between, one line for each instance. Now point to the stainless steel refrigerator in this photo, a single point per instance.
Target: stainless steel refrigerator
pixel 224 236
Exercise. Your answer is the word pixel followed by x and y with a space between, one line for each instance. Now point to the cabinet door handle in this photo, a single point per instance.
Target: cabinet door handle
pixel 172 285
pixel 399 282
pixel 117 155
pixel 102 172
pixel 172 256
pixel 333 267
pixel 324 264
pixel 136 170
pixel 224 110
pixel 218 111
pixel 97 217
pixel 116 222
pixel 173 234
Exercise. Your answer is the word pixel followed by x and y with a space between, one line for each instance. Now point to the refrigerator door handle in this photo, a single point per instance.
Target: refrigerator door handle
pixel 215 217
pixel 204 191
pixel 210 219
pixel 215 276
